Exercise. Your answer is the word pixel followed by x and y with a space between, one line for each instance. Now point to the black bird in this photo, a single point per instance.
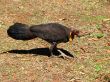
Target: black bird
pixel 53 33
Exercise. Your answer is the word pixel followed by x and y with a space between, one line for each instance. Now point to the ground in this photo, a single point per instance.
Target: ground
pixel 91 62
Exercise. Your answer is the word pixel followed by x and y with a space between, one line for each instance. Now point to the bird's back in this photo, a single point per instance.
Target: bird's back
pixel 51 32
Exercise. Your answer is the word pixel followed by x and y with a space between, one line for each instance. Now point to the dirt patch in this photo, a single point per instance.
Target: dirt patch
pixel 103 78
pixel 91 52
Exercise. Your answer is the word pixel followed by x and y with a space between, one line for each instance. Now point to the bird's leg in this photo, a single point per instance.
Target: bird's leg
pixel 53 46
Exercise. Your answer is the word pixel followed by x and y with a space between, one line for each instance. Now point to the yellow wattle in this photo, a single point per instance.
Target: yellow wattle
pixel 70 39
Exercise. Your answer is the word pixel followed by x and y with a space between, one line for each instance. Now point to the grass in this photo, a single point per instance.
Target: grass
pixel 97 35
pixel 92 51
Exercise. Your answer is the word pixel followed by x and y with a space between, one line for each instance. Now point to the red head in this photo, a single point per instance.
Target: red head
pixel 73 33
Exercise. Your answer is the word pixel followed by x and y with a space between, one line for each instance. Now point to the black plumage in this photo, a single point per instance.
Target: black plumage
pixel 20 31
pixel 53 33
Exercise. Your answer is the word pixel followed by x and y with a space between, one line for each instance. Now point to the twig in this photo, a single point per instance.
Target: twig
pixel 101 60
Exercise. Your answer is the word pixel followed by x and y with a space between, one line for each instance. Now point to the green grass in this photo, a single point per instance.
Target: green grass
pixel 90 19
pixel 97 35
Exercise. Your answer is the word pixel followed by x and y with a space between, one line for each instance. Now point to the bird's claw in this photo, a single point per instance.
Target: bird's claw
pixel 62 55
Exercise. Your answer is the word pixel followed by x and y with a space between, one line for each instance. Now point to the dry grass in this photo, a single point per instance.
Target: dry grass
pixel 92 51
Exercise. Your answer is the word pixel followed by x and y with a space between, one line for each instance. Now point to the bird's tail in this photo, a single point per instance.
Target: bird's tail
pixel 20 31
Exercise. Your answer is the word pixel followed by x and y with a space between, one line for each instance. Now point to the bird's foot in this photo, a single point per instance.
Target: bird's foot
pixel 62 55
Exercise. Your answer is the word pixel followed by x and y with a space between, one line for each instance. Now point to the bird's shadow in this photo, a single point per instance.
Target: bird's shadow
pixel 41 51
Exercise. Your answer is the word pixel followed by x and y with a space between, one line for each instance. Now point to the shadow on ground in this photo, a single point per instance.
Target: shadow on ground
pixel 40 51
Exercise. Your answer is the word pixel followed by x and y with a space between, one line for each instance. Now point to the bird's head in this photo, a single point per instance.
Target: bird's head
pixel 73 33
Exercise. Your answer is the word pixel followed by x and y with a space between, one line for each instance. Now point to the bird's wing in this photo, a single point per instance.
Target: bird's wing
pixel 53 34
